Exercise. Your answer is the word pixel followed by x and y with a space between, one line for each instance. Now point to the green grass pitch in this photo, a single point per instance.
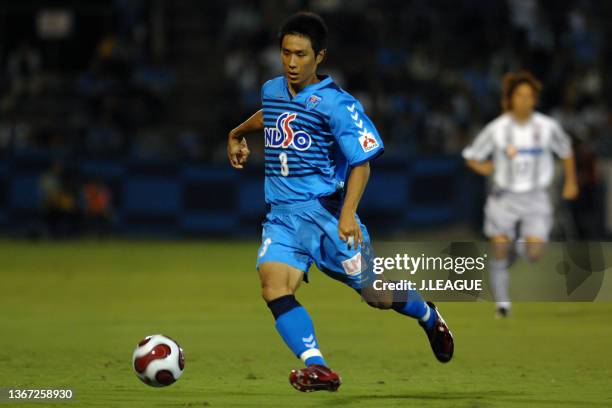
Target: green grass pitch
pixel 71 314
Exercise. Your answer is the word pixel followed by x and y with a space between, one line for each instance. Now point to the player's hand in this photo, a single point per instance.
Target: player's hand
pixel 349 230
pixel 570 190
pixel 484 168
pixel 511 151
pixel 237 151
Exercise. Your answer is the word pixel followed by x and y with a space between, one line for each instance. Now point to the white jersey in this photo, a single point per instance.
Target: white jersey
pixel 521 152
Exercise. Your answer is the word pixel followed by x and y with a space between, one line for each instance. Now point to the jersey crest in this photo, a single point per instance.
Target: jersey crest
pixel 312 102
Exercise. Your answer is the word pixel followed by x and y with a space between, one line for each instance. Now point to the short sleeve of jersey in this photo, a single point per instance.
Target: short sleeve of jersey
pixel 560 142
pixel 264 88
pixel 482 146
pixel 354 131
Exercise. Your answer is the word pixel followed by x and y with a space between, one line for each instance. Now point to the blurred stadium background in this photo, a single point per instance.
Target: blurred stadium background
pixel 114 113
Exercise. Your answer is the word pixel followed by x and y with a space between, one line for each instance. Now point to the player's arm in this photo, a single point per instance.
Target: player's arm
pixel 570 186
pixel 561 144
pixel 476 155
pixel 360 143
pixel 484 168
pixel 348 227
pixel 237 149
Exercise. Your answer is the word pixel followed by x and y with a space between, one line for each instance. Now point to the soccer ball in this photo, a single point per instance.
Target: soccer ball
pixel 158 360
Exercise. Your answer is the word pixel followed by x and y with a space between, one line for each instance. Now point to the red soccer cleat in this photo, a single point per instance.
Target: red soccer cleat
pixel 315 378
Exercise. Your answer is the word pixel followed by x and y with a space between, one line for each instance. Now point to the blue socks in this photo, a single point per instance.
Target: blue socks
pixel 295 327
pixel 412 304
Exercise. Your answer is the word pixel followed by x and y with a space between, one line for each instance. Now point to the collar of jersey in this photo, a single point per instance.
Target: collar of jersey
pixel 325 80
pixel 522 125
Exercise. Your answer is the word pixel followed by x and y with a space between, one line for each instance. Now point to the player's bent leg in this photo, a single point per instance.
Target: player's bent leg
pixel 501 246
pixel 279 282
pixel 348 268
pixel 439 335
pixel 534 248
pixel 535 226
pixel 379 299
pixel 440 338
pixel 354 267
pixel 498 274
pixel 410 303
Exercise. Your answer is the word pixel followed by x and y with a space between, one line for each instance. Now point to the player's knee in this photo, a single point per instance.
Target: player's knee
pixel 273 289
pixel 534 250
pixel 270 292
pixel 278 280
pixel 535 254
pixel 382 304
pixel 376 298
pixel 501 246
pixel 381 300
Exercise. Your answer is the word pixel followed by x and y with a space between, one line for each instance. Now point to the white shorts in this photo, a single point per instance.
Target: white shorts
pixel 529 212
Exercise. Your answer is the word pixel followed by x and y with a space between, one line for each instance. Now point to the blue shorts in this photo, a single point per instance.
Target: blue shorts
pixel 303 233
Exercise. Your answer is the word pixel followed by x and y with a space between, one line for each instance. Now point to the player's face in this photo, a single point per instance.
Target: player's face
pixel 299 60
pixel 523 100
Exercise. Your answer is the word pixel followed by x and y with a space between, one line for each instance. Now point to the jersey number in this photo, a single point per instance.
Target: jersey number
pixel 522 168
pixel 284 166
pixel 264 247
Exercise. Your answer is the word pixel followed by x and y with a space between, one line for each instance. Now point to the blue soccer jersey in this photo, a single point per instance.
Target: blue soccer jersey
pixel 312 139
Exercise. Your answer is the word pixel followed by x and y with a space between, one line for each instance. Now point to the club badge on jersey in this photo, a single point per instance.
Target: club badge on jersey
pixel 312 102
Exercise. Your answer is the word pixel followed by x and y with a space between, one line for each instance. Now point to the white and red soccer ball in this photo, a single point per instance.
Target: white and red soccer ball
pixel 158 360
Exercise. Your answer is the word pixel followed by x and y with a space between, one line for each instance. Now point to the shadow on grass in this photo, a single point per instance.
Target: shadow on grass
pixel 488 397
pixel 480 399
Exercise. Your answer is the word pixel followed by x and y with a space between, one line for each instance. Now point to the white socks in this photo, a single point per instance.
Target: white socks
pixel 500 282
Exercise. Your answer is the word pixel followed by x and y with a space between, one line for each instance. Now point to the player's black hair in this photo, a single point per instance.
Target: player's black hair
pixel 511 81
pixel 307 24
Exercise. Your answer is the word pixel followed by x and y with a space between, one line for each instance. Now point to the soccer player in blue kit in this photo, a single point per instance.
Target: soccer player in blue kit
pixel 318 148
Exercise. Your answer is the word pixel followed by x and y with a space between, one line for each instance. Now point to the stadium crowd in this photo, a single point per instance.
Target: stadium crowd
pixel 428 72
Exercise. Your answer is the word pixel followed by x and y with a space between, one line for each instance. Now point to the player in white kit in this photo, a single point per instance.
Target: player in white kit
pixel 517 149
